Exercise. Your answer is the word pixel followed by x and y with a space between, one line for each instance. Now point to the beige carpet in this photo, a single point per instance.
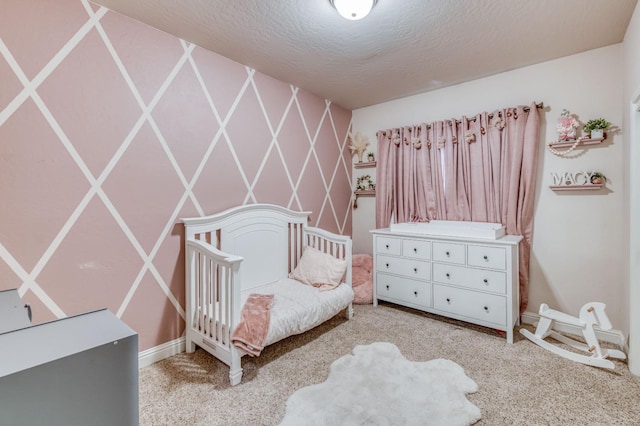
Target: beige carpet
pixel 519 384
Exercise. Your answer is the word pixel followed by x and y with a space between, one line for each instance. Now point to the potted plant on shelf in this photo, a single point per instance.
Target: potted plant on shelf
pixel 597 178
pixel 596 127
pixel 371 157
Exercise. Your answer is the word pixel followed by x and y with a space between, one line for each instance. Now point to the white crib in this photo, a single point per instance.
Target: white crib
pixel 243 250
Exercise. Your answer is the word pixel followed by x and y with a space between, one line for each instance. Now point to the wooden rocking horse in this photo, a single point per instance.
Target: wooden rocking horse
pixel 590 314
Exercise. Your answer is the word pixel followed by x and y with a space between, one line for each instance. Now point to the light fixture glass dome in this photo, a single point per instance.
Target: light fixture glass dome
pixel 353 9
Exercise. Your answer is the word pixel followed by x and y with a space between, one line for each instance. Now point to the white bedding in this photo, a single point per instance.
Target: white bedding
pixel 298 307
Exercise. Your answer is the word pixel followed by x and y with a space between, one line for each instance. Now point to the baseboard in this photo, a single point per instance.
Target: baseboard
pixel 612 336
pixel 177 346
pixel 160 352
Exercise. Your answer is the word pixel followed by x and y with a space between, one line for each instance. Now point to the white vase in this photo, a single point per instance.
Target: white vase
pixel 597 134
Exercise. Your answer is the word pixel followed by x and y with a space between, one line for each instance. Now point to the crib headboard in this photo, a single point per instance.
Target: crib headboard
pixel 269 238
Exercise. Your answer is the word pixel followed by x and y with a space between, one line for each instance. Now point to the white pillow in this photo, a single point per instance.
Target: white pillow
pixel 318 269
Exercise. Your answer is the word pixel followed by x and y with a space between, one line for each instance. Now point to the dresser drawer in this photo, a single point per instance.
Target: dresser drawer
pixel 403 290
pixel 488 308
pixel 477 279
pixel 410 268
pixel 387 245
pixel 487 257
pixel 416 249
pixel 449 252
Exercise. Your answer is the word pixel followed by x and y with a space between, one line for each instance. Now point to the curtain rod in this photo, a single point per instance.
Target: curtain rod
pixel 526 109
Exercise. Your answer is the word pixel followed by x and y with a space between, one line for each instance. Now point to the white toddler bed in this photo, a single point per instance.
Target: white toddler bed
pixel 253 249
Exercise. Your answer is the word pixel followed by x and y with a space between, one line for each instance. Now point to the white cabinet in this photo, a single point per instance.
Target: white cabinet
pixel 469 279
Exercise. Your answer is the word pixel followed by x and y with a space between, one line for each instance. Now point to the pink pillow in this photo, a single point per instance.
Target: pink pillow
pixel 363 260
pixel 318 269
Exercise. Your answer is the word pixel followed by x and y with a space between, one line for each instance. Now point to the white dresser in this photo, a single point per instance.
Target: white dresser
pixel 469 279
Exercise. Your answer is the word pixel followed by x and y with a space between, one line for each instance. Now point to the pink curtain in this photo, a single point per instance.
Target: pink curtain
pixel 385 172
pixel 479 169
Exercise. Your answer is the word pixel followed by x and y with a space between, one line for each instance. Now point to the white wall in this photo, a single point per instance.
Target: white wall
pixel 631 102
pixel 579 246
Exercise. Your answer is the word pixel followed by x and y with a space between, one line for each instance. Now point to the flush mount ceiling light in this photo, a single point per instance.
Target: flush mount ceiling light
pixel 353 9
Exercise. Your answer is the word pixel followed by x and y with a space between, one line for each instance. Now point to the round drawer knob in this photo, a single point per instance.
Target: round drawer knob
pixel 387 246
pixel 486 308
pixel 486 281
pixel 448 300
pixel 448 275
pixel 416 293
pixel 387 265
pixel 387 287
pixel 448 254
pixel 486 258
pixel 415 250
pixel 415 270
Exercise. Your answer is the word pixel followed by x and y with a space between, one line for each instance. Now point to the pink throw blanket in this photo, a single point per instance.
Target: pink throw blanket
pixel 251 332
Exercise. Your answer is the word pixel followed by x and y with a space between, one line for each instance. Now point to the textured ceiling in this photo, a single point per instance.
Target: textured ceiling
pixel 402 48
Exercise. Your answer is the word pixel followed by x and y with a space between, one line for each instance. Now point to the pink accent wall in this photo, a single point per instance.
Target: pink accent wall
pixel 110 131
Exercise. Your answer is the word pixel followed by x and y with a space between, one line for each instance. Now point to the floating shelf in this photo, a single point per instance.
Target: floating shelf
pixel 364 165
pixel 590 186
pixel 582 142
pixel 362 193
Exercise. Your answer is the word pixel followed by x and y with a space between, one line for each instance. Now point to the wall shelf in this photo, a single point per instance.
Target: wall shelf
pixel 589 186
pixel 362 193
pixel 568 144
pixel 364 165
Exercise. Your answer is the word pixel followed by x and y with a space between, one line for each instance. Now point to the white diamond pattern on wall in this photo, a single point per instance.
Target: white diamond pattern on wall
pixel 132 152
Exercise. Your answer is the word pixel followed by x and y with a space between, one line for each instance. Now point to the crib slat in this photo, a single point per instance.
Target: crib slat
pixel 195 270
pixel 203 286
pixel 292 246
pixel 201 290
pixel 230 302
pixel 224 323
pixel 207 301
pixel 211 285
pixel 299 243
pixel 214 299
pixel 222 295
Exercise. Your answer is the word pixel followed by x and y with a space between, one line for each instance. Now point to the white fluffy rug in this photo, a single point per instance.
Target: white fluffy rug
pixel 378 386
